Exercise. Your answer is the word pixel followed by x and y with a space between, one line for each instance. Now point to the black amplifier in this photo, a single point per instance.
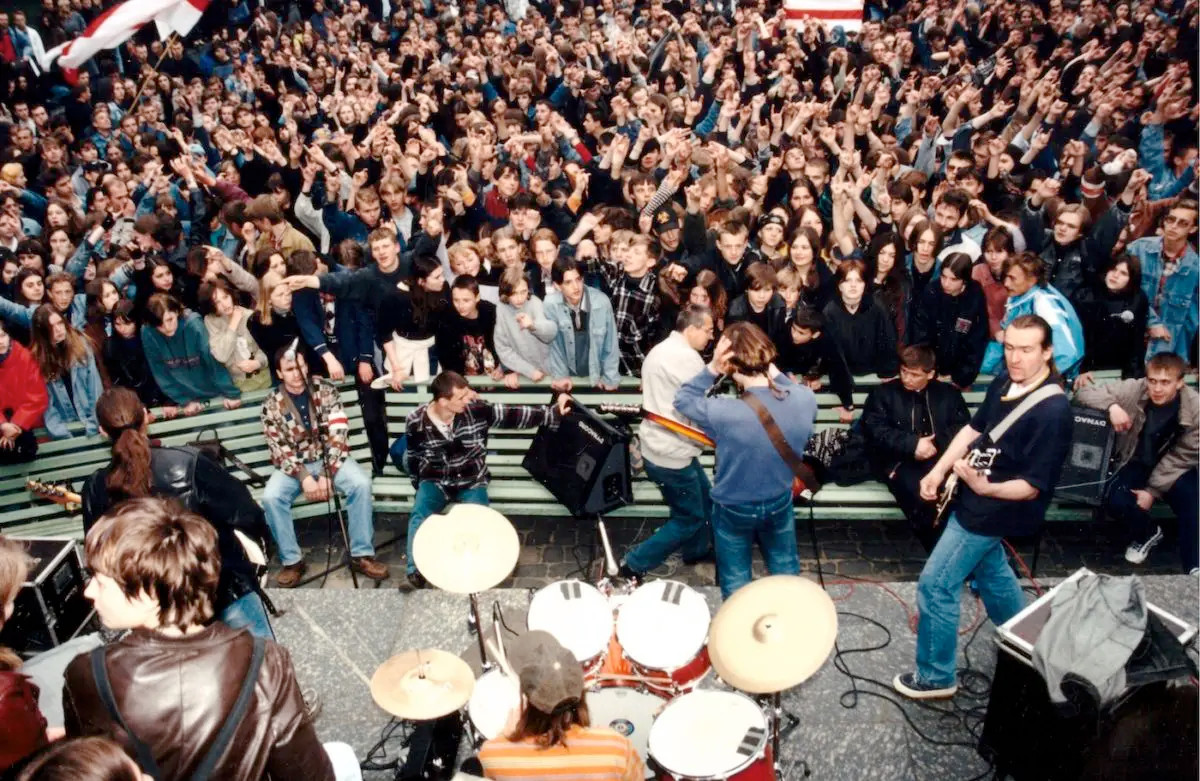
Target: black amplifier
pixel 1086 469
pixel 51 607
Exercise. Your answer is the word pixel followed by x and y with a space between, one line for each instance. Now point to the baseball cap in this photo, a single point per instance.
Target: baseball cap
pixel 665 220
pixel 551 677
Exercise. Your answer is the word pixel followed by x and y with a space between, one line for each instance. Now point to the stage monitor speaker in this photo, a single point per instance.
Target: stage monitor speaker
pixel 1086 470
pixel 50 607
pixel 584 462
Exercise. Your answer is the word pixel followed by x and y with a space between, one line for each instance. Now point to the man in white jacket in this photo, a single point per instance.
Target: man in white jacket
pixel 672 460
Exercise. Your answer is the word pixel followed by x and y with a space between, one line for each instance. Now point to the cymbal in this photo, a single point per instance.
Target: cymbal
pixel 471 548
pixel 772 634
pixel 422 685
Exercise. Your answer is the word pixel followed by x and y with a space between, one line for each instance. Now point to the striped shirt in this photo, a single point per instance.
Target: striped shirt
pixel 591 753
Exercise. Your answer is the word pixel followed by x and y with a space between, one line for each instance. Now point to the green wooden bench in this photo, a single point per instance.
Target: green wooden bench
pixel 512 491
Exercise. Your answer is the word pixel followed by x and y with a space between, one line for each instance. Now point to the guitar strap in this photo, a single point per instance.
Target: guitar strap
pixel 800 469
pixel 1028 403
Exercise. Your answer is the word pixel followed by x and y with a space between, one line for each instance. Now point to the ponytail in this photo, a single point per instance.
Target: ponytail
pixel 122 416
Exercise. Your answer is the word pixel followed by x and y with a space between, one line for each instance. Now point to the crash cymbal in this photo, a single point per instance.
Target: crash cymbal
pixel 772 634
pixel 469 549
pixel 422 685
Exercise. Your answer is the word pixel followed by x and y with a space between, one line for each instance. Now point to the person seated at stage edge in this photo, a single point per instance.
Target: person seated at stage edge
pixel 1156 452
pixel 445 443
pixel 307 433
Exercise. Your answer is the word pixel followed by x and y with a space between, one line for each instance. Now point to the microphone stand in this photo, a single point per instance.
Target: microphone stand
pixel 334 499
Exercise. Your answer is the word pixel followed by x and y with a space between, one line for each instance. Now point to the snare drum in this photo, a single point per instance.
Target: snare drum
pixel 578 616
pixel 627 710
pixel 662 628
pixel 712 735
pixel 493 700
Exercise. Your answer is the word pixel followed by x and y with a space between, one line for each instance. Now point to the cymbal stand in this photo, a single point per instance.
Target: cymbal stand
pixel 476 626
pixel 777 714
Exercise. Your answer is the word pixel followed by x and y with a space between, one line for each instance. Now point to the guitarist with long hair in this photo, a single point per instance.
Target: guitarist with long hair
pixel 673 461
pixel 1005 463
pixel 140 468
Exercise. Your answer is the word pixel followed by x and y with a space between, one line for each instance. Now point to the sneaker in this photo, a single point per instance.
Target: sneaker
pixel 370 566
pixel 1195 571
pixel 290 575
pixel 915 689
pixel 1137 552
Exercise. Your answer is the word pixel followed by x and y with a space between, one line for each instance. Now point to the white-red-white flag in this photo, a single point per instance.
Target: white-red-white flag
pixel 848 14
pixel 116 25
pixel 181 18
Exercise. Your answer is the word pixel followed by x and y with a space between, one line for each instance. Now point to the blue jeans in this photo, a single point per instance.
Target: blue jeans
pixel 249 612
pixel 735 529
pixel 354 484
pixel 432 498
pixel 957 555
pixel 688 530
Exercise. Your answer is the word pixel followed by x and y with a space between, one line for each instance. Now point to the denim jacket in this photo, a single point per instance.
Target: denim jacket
pixel 1176 309
pixel 603 355
pixel 79 405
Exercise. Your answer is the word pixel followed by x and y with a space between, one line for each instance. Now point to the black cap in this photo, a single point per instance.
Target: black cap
pixel 665 220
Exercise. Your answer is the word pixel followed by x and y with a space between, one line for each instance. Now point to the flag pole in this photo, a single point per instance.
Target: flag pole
pixel 153 73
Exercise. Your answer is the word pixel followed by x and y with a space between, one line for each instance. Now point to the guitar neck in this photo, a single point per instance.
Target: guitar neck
pixel 674 426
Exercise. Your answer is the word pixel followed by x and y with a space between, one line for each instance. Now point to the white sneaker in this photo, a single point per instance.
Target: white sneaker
pixel 1138 551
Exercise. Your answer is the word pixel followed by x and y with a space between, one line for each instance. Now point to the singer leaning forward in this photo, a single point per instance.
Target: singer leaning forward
pixel 752 493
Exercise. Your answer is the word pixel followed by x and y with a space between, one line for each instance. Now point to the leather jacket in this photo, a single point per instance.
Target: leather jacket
pixel 174 693
pixel 207 489
pixel 891 416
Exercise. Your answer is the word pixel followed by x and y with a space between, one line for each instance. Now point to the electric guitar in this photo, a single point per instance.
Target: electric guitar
pixel 675 427
pixel 979 460
pixel 59 494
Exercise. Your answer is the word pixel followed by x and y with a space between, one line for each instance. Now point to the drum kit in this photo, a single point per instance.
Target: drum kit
pixel 646 653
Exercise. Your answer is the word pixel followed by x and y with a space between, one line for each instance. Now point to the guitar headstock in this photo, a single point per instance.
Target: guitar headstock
pixel 59 494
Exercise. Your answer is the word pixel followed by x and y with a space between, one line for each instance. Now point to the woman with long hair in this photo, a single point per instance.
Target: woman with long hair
pixel 68 366
pixel 273 325
pixel 998 247
pixel 523 332
pixel 101 297
pixel 1114 311
pixel 863 330
pixel 407 332
pixel 229 337
pixel 22 725
pixel 139 468
pixel 925 243
pixel 28 293
pixel 816 280
pixel 889 284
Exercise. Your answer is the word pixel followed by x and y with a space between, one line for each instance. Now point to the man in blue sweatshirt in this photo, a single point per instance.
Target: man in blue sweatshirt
pixel 752 494
pixel 177 351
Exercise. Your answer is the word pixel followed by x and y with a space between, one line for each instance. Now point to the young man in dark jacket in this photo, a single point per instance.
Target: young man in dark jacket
pixel 907 424
pixel 170 685
pixel 951 317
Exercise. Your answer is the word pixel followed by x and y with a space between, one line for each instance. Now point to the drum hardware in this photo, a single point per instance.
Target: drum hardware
pixel 422 685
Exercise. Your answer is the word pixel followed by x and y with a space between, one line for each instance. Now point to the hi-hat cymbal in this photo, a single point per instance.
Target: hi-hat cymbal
pixel 772 634
pixel 422 685
pixel 469 549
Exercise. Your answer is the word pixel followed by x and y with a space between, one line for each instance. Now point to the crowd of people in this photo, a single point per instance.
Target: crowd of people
pixel 575 192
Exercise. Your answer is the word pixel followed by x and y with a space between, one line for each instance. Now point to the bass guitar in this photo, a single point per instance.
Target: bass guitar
pixel 981 462
pixel 59 494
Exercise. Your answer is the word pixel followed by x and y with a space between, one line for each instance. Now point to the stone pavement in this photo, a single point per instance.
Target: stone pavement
pixel 558 548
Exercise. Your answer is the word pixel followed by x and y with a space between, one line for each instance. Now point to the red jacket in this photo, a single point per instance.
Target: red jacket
pixel 22 389
pixel 22 726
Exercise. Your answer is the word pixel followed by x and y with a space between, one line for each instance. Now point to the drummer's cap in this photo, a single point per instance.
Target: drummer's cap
pixel 551 678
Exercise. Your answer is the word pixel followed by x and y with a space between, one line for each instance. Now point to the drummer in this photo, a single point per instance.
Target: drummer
pixel 551 733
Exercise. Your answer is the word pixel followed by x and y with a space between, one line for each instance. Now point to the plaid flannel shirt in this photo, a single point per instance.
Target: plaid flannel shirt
pixel 636 305
pixel 461 461
pixel 291 445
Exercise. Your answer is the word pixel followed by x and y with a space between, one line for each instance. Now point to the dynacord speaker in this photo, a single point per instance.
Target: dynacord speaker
pixel 584 463
pixel 50 606
pixel 1086 469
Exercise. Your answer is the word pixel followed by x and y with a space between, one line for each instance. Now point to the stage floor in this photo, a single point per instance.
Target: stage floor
pixel 337 638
